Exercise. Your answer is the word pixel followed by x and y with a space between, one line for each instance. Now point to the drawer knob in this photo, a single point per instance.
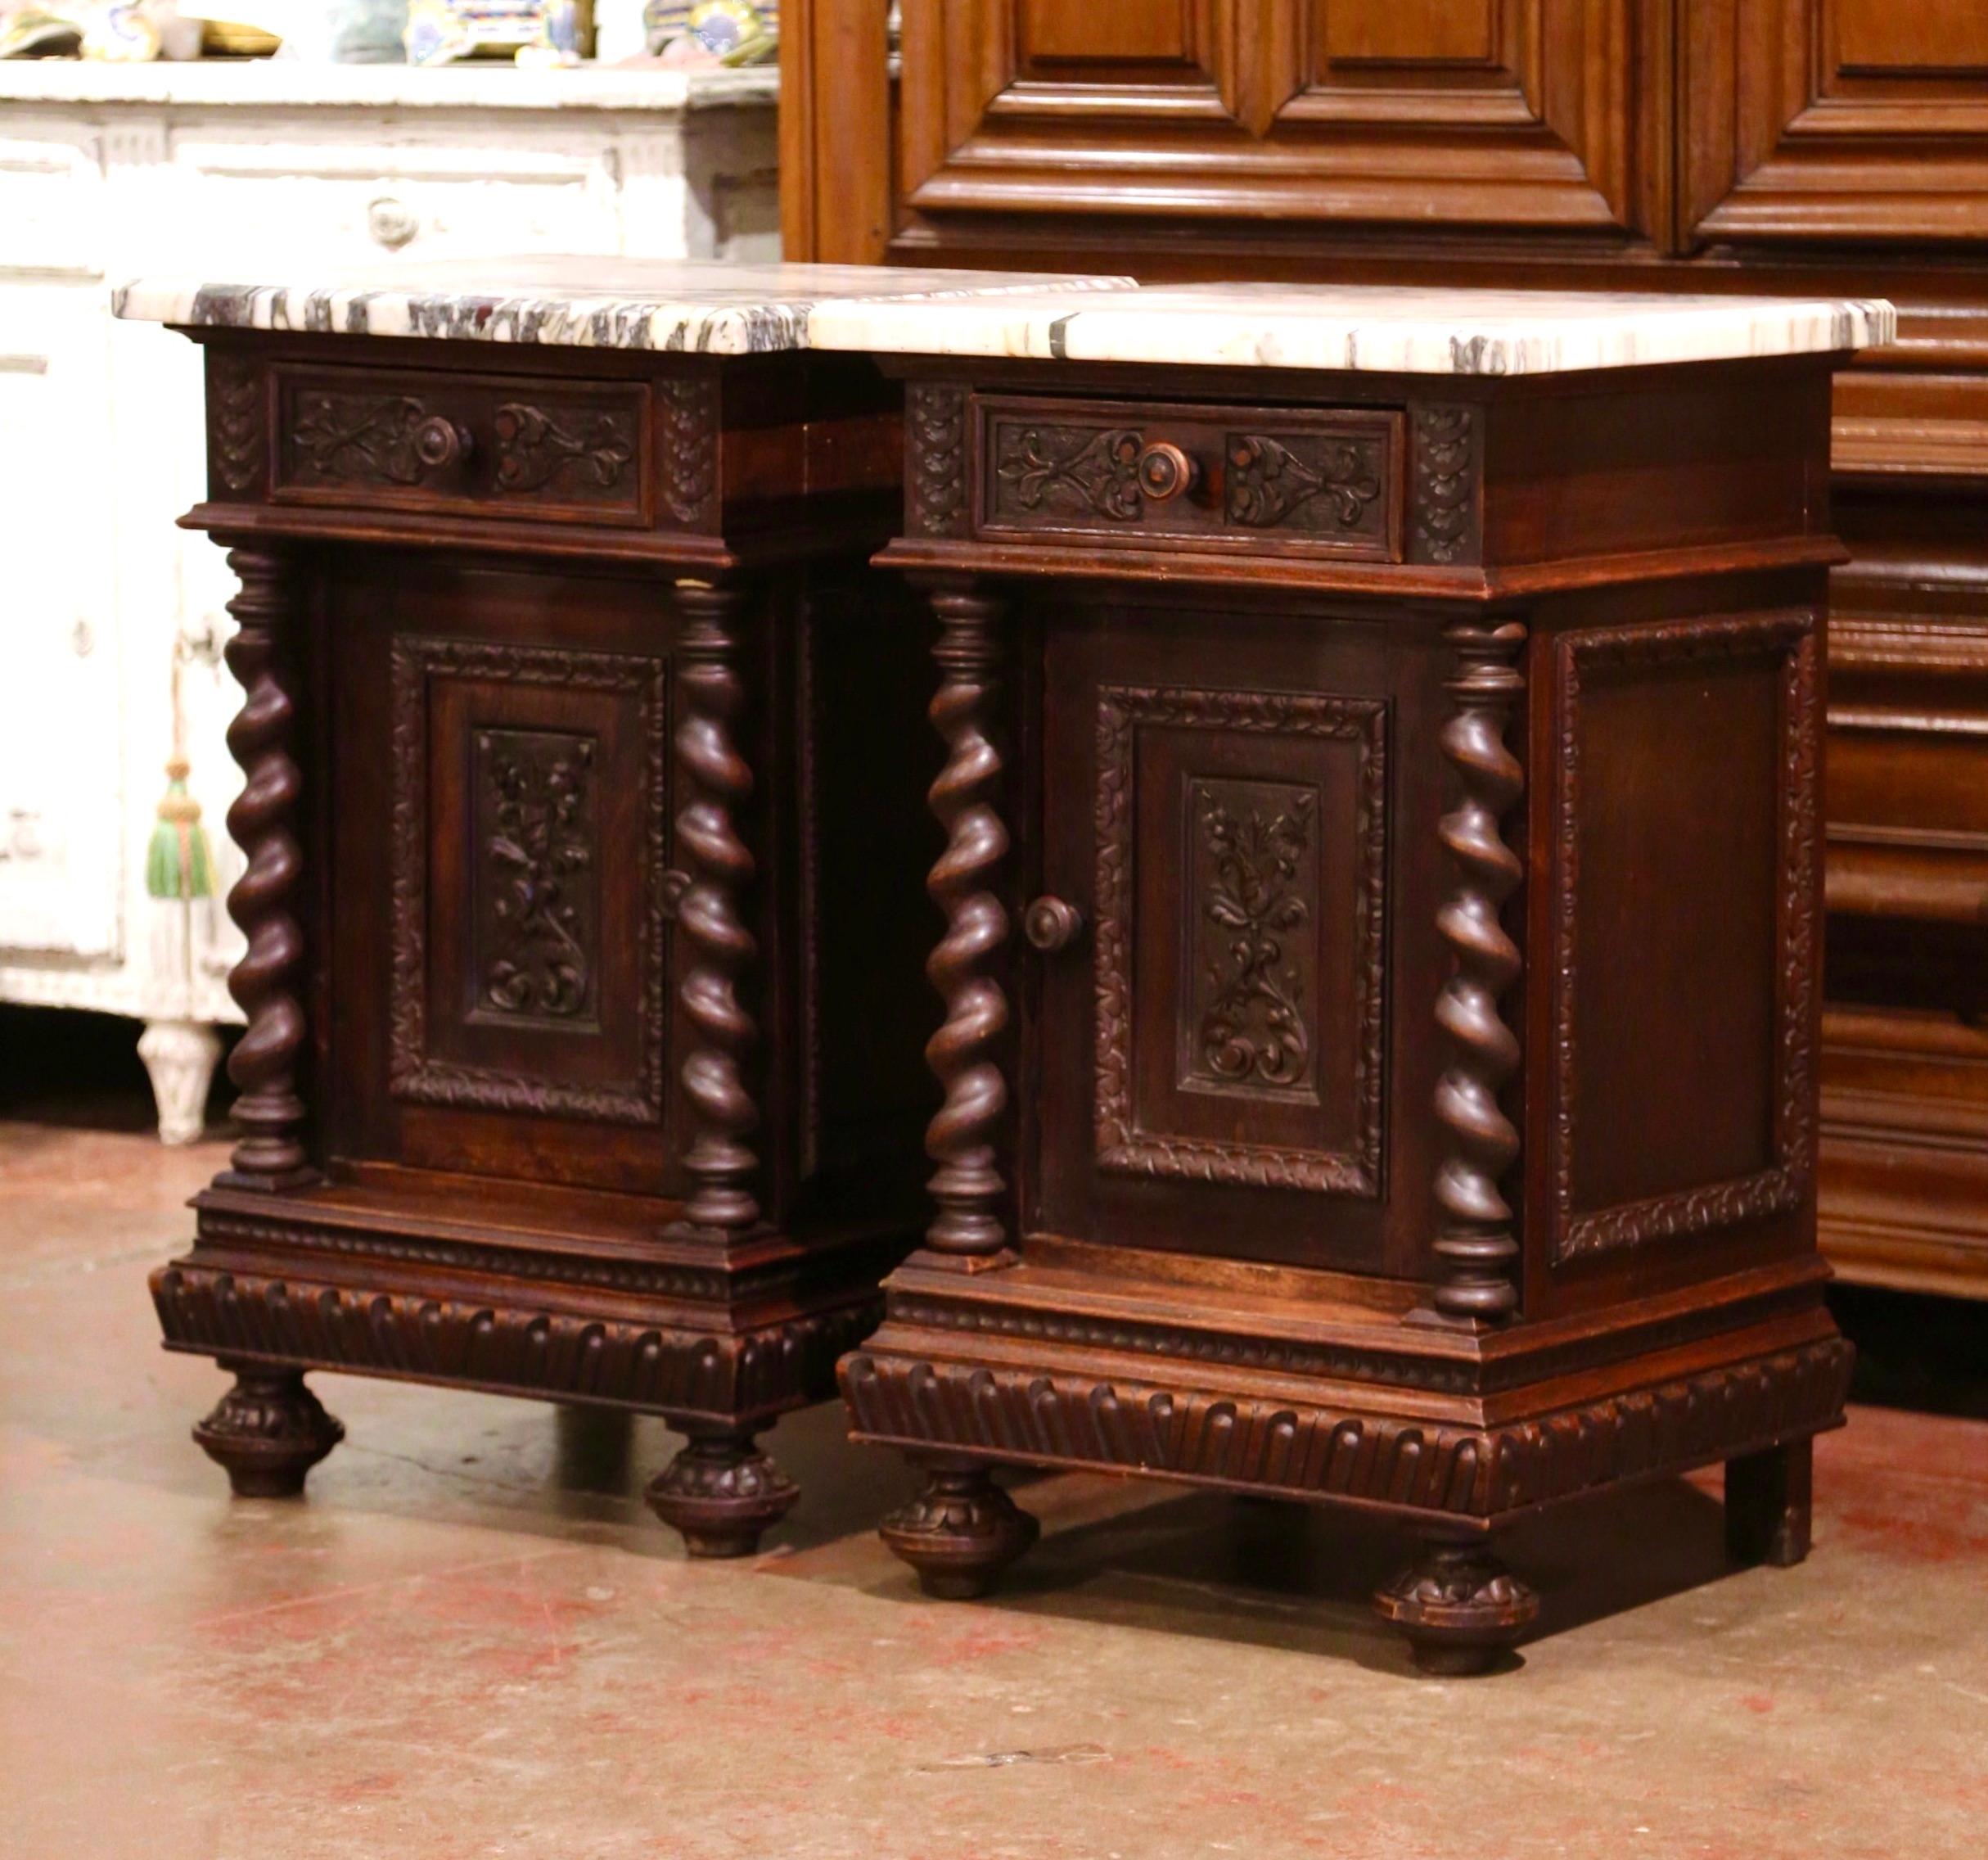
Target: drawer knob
pixel 1167 472
pixel 440 442
pixel 1051 924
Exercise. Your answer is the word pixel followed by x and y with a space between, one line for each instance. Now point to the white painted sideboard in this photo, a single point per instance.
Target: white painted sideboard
pixel 110 170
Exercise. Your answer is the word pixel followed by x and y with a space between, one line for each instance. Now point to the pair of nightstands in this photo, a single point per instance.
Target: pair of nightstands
pixel 1371 822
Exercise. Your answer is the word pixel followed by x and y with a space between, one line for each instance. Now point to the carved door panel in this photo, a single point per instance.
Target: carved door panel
pixel 1462 113
pixel 501 915
pixel 1213 1065
pixel 1835 119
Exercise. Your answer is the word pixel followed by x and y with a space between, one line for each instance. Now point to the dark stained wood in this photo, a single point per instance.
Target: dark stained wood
pixel 1789 146
pixel 1402 1090
pixel 584 756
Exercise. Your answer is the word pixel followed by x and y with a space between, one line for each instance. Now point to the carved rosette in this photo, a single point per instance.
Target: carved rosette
pixel 1475 1250
pixel 936 429
pixel 963 1138
pixel 719 783
pixel 267 982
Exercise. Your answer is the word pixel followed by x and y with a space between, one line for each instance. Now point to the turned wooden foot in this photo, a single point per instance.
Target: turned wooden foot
pixel 268 1431
pixel 959 1533
pixel 1767 1505
pixel 1458 1606
pixel 720 1492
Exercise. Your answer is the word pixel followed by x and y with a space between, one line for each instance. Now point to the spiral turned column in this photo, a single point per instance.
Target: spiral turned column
pixel 718 782
pixel 1476 1252
pixel 268 980
pixel 964 1138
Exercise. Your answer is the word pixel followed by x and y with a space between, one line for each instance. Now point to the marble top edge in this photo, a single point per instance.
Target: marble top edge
pixel 718 308
pixel 706 306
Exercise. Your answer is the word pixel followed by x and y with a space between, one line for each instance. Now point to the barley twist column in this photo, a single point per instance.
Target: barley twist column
pixel 268 980
pixel 719 782
pixel 963 1139
pixel 1475 1250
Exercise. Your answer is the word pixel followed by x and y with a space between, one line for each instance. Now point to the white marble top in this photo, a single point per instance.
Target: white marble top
pixel 1373 328
pixel 287 84
pixel 705 305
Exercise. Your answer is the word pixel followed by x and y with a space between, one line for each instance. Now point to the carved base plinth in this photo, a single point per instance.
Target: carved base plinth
pixel 960 1532
pixel 1459 1608
pixel 720 1492
pixel 268 1431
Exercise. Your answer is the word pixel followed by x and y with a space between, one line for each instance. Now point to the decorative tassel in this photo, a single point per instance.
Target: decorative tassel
pixel 179 862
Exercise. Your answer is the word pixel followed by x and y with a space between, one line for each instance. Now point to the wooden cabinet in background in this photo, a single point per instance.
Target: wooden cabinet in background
pixel 1812 145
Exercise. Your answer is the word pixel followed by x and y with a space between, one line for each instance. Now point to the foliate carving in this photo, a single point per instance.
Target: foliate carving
pixel 1458 1605
pixel 536 911
pixel 1445 502
pixel 1270 480
pixel 237 429
pixel 966 1054
pixel 721 1492
pixel 1784 1187
pixel 536 447
pixel 718 783
pixel 357 438
pixel 959 1533
pixel 1256 876
pixel 688 412
pixel 1476 1253
pixel 1199 1436
pixel 1097 468
pixel 267 982
pixel 935 431
pixel 506 1344
pixel 413 1072
pixel 1122 1145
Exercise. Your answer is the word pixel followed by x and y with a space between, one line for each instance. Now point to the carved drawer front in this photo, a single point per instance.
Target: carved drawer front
pixel 1240 477
pixel 530 894
pixel 497 444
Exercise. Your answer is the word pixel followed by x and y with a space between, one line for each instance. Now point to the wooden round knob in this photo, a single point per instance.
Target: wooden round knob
pixel 439 442
pixel 1050 924
pixel 1167 472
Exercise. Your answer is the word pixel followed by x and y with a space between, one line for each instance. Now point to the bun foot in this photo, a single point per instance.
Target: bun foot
pixel 1459 1607
pixel 960 1532
pixel 267 1432
pixel 719 1493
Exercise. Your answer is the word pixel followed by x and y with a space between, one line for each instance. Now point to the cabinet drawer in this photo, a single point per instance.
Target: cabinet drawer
pixel 1236 477
pixel 558 451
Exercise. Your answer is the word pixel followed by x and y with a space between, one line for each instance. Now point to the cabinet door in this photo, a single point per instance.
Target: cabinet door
pixel 1212 1059
pixel 1459 113
pixel 1835 119
pixel 499 910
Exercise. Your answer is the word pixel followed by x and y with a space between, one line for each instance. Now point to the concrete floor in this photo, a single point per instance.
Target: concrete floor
pixel 471 1639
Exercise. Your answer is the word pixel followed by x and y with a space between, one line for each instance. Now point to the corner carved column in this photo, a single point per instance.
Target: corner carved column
pixel 719 783
pixel 1476 1253
pixel 964 1138
pixel 268 980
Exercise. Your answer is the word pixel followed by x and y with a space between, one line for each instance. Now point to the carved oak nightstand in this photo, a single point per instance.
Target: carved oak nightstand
pixel 582 826
pixel 1383 913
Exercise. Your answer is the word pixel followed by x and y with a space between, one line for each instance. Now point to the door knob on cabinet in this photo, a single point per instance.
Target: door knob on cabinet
pixel 1051 925
pixel 1165 471
pixel 440 442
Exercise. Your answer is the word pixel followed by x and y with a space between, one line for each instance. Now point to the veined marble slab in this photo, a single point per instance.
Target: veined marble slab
pixel 1376 329
pixel 707 306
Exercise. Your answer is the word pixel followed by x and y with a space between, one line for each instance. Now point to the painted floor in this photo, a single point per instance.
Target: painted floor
pixel 470 1639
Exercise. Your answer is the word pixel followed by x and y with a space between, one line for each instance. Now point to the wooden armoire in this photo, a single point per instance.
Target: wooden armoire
pixel 1807 145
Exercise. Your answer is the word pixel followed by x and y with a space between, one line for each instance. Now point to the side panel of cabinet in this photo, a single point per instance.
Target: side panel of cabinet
pixel 1835 120
pixel 1542 114
pixel 1224 799
pixel 501 961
